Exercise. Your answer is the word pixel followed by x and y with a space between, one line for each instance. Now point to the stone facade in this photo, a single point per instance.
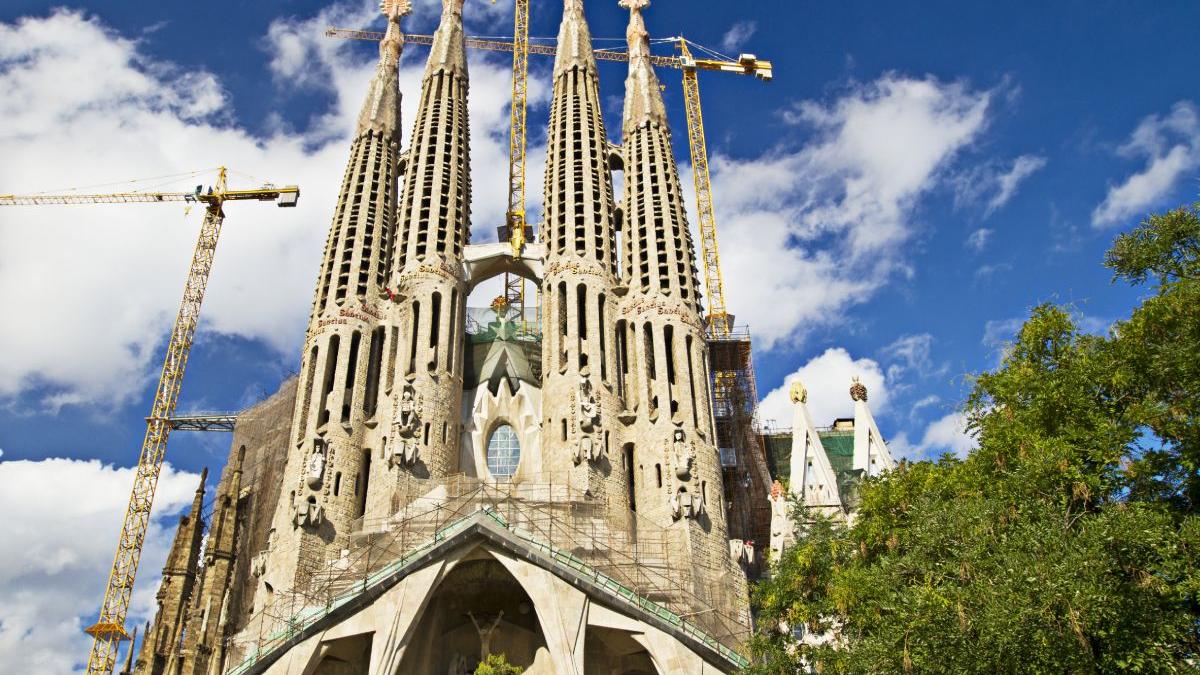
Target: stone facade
pixel 407 414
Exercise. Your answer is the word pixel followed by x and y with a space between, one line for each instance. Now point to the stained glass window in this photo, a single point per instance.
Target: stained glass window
pixel 503 452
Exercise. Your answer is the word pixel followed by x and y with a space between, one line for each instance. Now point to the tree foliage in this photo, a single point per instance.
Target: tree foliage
pixel 497 664
pixel 1067 542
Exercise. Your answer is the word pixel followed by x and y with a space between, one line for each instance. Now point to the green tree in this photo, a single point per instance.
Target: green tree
pixel 497 664
pixel 1067 542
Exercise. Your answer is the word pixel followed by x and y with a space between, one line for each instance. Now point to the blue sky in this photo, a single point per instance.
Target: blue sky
pixel 916 177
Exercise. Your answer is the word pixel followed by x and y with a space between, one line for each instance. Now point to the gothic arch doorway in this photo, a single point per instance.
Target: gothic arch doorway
pixel 478 608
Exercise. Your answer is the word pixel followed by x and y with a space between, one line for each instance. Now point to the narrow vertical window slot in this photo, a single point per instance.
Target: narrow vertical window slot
pixel 351 372
pixel 435 325
pixel 331 357
pixel 412 343
pixel 374 366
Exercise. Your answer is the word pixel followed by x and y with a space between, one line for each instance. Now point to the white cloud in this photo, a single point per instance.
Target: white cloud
pixel 1007 183
pixel 829 219
pixel 978 239
pixel 910 353
pixel 828 378
pixel 1170 146
pixel 60 525
pixel 992 185
pixel 118 270
pixel 945 434
pixel 738 34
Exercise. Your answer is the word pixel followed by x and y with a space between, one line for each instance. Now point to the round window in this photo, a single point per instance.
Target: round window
pixel 503 452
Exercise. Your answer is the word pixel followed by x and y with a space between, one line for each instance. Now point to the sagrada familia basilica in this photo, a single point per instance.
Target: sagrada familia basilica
pixel 442 482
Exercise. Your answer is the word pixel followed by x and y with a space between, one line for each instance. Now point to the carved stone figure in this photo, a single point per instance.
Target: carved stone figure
pixel 685 504
pixel 316 468
pixel 404 452
pixel 308 513
pixel 683 454
pixel 408 413
pixel 485 633
pixel 258 564
pixel 780 521
pixel 589 411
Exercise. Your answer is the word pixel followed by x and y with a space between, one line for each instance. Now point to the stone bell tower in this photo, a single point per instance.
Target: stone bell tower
pixel 434 225
pixel 580 286
pixel 338 400
pixel 678 481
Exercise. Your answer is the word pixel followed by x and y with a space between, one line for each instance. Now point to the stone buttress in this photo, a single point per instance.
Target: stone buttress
pixel 579 289
pixel 678 475
pixel 433 224
pixel 160 645
pixel 343 374
pixel 209 614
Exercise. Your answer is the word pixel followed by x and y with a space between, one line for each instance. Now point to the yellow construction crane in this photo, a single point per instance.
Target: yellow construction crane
pixel 109 629
pixel 514 285
pixel 746 64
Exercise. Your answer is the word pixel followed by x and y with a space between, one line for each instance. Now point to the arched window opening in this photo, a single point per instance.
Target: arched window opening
pixel 503 452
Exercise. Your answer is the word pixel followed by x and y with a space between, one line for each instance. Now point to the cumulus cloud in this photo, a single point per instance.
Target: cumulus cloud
pixel 119 269
pixel 60 525
pixel 828 377
pixel 738 34
pixel 1170 146
pixel 829 218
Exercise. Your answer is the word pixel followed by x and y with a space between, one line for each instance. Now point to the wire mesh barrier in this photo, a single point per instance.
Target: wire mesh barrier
pixel 627 558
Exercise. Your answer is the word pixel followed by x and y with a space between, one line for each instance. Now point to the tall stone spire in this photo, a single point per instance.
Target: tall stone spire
pixel 381 110
pixel 435 207
pixel 341 385
pixel 434 222
pixel 643 96
pixel 579 354
pixel 665 340
pixel 160 648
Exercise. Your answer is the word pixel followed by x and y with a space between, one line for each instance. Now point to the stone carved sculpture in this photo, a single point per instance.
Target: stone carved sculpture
pixel 308 513
pixel 683 455
pixel 685 504
pixel 316 468
pixel 780 520
pixel 408 413
pixel 258 564
pixel 404 452
pixel 589 410
pixel 485 633
pixel 587 449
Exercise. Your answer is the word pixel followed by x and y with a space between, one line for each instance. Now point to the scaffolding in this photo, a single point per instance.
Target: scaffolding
pixel 629 561
pixel 745 475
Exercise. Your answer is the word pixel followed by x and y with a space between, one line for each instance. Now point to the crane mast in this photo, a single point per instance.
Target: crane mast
pixel 718 315
pixel 109 629
pixel 514 285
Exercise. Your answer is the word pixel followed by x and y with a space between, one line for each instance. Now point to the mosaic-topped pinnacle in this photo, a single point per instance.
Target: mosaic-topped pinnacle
pixel 381 110
pixel 858 391
pixel 394 9
pixel 574 41
pixel 643 96
pixel 393 40
pixel 448 52
pixel 798 393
